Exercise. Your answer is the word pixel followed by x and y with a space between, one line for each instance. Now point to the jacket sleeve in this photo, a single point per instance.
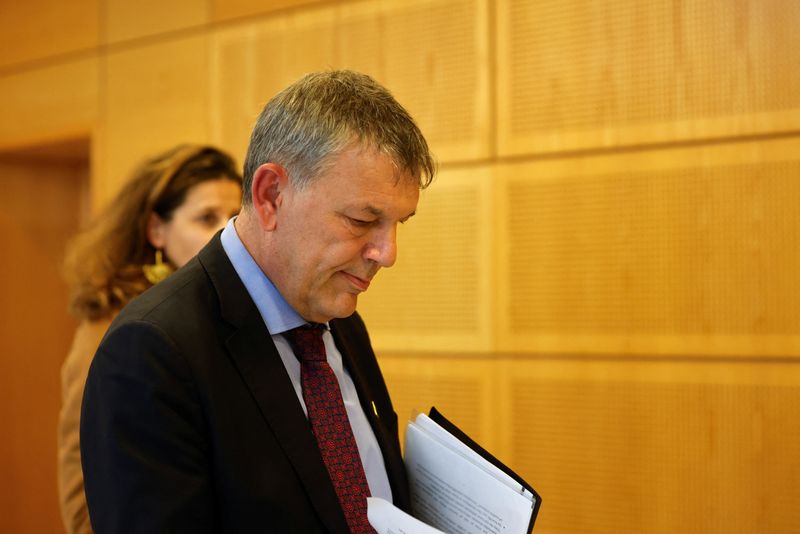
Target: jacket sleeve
pixel 143 441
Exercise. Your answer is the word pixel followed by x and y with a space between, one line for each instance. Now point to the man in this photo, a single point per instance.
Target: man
pixel 242 394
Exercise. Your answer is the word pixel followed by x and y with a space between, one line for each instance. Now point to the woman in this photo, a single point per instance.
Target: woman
pixel 160 219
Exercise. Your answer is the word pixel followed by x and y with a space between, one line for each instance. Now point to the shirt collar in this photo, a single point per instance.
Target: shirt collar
pixel 277 314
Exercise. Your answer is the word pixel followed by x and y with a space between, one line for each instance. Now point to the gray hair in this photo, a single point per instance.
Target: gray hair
pixel 313 120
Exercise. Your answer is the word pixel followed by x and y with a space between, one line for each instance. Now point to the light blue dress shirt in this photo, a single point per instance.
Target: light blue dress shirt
pixel 279 317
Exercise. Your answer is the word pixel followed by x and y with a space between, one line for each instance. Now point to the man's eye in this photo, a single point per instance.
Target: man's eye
pixel 359 222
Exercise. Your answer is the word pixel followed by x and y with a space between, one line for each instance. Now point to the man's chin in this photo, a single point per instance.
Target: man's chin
pixel 344 306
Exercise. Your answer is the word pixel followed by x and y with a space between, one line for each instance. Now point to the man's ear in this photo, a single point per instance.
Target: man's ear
pixel 268 190
pixel 156 228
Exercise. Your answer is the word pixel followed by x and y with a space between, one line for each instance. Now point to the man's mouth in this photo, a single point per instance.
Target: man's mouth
pixel 362 284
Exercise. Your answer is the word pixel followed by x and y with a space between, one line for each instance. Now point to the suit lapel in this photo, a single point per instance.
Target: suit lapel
pixel 258 362
pixel 386 435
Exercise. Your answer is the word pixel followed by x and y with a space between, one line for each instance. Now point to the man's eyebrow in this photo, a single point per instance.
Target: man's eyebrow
pixel 372 210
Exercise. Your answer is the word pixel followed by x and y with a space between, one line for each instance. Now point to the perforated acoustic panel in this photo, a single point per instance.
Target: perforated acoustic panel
pixel 438 296
pixel 580 73
pixel 688 251
pixel 233 9
pixel 431 54
pixel 154 96
pixel 459 388
pixel 618 446
pixel 252 62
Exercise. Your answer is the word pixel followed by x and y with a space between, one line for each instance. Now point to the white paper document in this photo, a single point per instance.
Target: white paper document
pixel 457 491
pixel 386 518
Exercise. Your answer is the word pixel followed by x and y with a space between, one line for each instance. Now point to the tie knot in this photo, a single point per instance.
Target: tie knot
pixel 306 342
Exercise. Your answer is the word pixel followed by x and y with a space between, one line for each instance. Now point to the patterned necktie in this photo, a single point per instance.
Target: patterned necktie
pixel 331 426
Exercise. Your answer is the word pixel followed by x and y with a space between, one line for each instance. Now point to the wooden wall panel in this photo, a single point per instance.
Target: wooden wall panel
pixel 155 97
pixel 124 20
pixel 39 210
pixel 583 74
pixel 676 251
pixel 223 10
pixel 463 390
pixel 58 101
pixel 444 83
pixel 433 55
pixel 438 296
pixel 668 446
pixel 38 29
pixel 253 62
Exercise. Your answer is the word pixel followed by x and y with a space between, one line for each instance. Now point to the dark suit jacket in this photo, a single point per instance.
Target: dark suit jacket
pixel 190 422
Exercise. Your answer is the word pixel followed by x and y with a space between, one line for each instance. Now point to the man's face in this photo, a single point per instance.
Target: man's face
pixel 333 236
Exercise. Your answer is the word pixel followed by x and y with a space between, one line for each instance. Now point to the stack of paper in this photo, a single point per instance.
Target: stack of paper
pixel 457 487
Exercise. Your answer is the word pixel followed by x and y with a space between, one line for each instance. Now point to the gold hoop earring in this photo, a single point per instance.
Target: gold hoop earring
pixel 158 271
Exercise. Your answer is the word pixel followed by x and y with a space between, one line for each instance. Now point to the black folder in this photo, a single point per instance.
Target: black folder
pixel 439 419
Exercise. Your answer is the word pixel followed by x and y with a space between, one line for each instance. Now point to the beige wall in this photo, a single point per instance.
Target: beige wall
pixel 600 286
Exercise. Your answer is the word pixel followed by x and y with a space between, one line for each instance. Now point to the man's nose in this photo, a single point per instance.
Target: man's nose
pixel 382 248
